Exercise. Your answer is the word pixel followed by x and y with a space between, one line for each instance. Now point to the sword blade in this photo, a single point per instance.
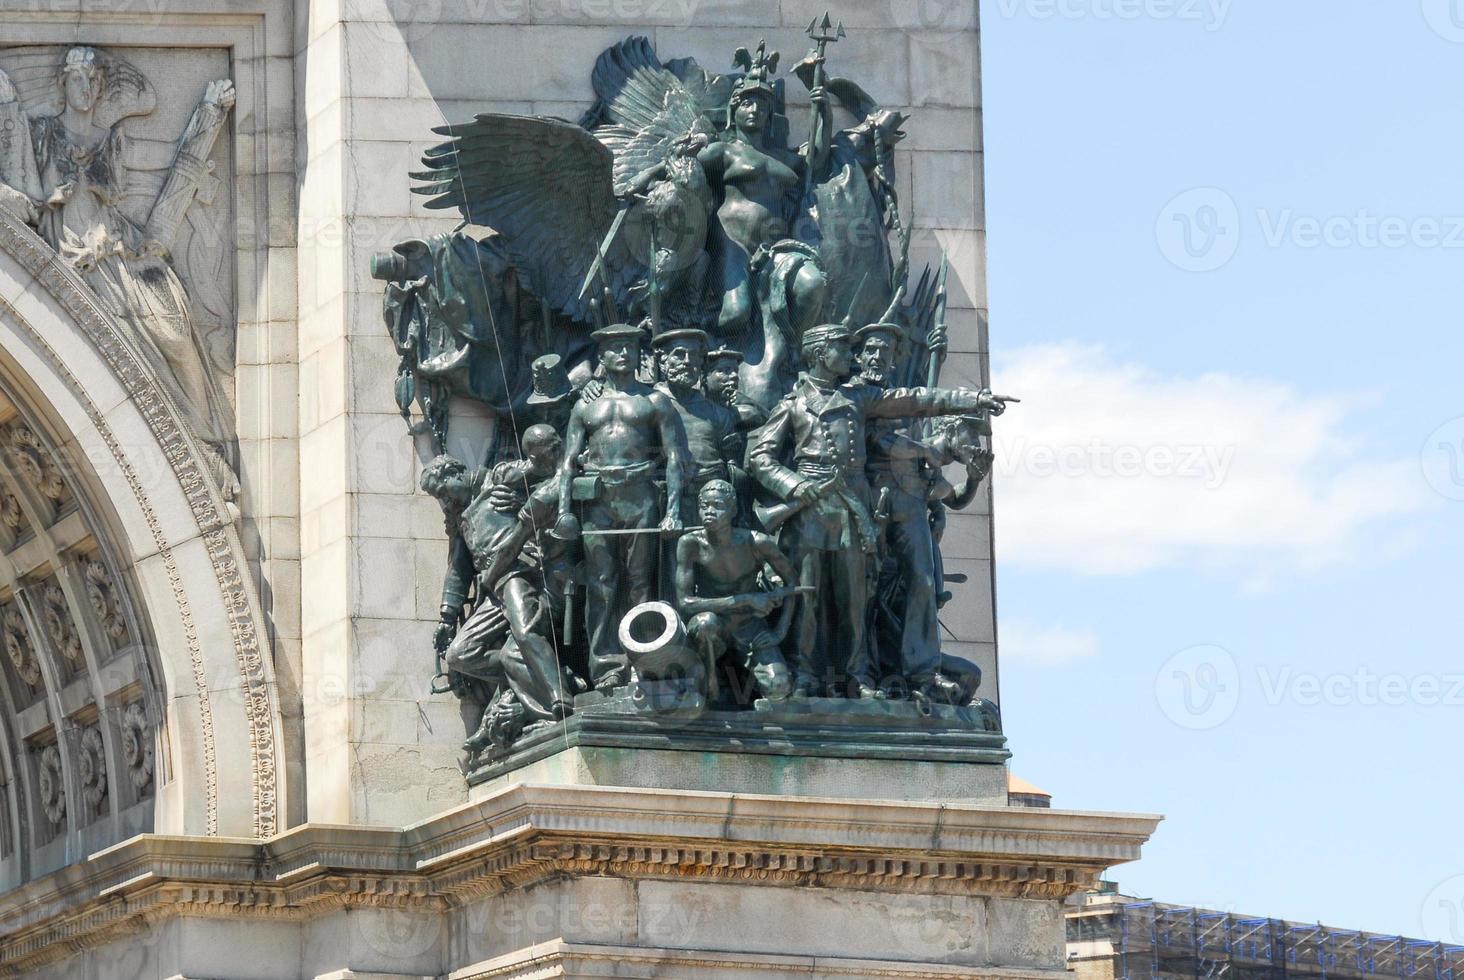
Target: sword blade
pixel 609 531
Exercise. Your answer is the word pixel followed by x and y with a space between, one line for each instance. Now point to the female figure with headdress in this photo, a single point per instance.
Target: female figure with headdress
pixel 82 178
pixel 758 184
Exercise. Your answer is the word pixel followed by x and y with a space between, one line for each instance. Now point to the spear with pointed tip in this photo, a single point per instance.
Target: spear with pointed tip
pixel 823 34
pixel 938 327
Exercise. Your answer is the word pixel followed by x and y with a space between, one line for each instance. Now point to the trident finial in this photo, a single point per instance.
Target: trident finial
pixel 825 32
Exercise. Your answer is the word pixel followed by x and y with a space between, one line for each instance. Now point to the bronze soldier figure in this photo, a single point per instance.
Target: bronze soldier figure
pixel 906 634
pixel 709 430
pixel 812 453
pixel 723 386
pixel 611 450
pixel 506 639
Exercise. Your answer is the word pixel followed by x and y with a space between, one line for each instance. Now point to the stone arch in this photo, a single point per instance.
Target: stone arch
pixel 197 679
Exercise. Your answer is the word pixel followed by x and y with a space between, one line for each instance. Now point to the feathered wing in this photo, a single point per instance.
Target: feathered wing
pixel 545 186
pixel 644 109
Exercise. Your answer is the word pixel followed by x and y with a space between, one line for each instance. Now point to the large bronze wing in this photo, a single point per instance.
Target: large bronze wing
pixel 544 185
pixel 644 110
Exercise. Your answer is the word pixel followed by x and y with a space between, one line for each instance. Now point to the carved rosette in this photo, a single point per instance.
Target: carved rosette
pixel 18 647
pixel 102 593
pixel 52 786
pixel 60 628
pixel 137 746
pixel 91 764
pixel 11 516
pixel 36 463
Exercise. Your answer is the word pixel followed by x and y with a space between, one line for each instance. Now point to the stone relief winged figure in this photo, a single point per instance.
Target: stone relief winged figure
pixel 67 173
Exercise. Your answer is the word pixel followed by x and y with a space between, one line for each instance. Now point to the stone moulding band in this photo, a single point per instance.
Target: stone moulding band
pixel 565 959
pixel 221 540
pixel 526 834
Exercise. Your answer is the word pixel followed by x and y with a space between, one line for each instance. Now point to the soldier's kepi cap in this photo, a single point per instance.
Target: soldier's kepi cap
pixel 725 353
pixel 824 332
pixel 615 331
pixel 550 379
pixel 685 333
pixel 892 330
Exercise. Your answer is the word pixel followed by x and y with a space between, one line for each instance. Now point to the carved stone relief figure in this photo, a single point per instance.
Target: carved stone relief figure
pixel 67 173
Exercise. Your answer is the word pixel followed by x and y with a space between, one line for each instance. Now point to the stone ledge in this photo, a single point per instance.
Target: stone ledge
pixel 526 834
pixel 563 959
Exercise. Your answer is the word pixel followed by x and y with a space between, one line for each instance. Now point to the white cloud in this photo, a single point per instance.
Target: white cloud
pixel 1108 467
pixel 1049 646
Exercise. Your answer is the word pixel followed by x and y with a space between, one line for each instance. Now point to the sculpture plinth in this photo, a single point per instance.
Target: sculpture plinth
pixel 821 747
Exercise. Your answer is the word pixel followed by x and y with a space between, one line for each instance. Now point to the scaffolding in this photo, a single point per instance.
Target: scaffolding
pixel 1152 941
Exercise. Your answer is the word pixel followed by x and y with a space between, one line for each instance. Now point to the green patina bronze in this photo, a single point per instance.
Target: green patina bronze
pixel 717 409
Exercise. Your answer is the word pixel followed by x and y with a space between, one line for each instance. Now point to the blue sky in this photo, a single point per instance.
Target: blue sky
pixel 1256 629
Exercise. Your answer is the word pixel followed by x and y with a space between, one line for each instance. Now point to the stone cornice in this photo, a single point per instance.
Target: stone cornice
pixel 525 833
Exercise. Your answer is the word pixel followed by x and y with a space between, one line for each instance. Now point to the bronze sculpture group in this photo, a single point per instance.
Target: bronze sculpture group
pixel 715 396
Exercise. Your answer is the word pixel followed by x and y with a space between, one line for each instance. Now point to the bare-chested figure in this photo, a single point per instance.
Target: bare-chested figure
pixel 718 590
pixel 611 452
pixel 753 176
